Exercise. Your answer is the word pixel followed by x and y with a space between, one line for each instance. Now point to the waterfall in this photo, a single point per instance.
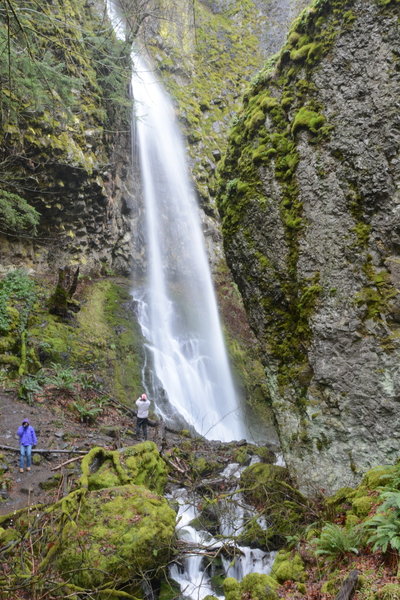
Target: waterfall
pixel 177 308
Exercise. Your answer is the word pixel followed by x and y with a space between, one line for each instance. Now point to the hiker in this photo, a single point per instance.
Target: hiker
pixel 27 439
pixel 143 405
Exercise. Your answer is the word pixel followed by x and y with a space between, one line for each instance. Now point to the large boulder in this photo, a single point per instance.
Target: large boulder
pixel 118 534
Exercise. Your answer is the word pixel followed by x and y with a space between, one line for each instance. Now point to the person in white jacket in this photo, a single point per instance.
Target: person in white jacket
pixel 143 405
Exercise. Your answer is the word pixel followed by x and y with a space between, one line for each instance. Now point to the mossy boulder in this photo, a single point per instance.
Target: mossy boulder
pixel 120 532
pixel 253 587
pixel 288 567
pixel 140 465
pixel 145 466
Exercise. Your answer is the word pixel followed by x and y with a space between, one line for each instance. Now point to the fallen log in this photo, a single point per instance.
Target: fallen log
pixel 44 451
pixel 348 586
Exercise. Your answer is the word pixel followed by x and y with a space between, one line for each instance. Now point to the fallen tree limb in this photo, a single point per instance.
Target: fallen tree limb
pixel 66 462
pixel 44 451
pixel 348 586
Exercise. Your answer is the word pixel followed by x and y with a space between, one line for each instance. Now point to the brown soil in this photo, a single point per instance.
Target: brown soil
pixel 55 429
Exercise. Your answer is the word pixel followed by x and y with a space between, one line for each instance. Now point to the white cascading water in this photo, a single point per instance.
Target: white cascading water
pixel 178 311
pixel 193 574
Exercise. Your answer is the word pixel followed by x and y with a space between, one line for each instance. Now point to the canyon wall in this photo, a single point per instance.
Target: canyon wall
pixel 309 197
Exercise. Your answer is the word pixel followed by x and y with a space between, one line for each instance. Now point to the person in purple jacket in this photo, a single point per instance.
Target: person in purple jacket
pixel 27 439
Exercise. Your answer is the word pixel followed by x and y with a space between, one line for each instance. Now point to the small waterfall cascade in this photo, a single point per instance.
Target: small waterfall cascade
pixel 177 309
pixel 195 572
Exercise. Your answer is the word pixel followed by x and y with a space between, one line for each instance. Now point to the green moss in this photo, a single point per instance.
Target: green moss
pixel 307 119
pixel 288 567
pixel 390 591
pixel 302 53
pixel 362 506
pixel 378 293
pixel 253 587
pixel 332 585
pixel 122 530
pixel 352 520
pixel 105 337
pixel 362 232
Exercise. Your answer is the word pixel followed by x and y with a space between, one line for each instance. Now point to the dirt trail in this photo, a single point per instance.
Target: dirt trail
pixel 55 429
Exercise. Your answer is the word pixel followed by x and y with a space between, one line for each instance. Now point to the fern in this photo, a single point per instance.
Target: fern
pixel 335 541
pixel 384 527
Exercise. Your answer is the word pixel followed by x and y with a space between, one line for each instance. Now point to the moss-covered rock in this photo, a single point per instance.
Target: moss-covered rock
pixel 288 567
pixel 140 464
pixel 253 587
pixel 119 532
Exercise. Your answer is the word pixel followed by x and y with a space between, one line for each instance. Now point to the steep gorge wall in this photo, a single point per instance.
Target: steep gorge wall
pixel 64 138
pixel 310 198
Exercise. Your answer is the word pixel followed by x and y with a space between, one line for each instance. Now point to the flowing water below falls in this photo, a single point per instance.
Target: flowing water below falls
pixel 207 556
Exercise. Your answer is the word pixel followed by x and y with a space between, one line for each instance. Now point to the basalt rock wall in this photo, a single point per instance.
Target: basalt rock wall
pixel 65 140
pixel 309 196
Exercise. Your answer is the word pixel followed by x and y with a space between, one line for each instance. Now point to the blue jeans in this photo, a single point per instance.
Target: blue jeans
pixel 141 424
pixel 25 451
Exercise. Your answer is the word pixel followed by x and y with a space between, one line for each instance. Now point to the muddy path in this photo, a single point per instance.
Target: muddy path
pixel 55 429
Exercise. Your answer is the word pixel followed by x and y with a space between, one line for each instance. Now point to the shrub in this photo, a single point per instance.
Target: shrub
pixel 16 214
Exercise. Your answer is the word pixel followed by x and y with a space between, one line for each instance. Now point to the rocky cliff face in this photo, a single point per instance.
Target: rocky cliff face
pixel 310 203
pixel 63 122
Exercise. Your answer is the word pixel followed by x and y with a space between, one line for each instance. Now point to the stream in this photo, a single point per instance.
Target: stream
pixel 218 554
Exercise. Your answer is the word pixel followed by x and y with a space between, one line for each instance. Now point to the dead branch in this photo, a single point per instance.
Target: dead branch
pixel 66 462
pixel 348 586
pixel 44 451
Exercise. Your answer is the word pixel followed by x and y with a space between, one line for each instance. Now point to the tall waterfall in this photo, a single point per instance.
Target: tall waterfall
pixel 177 309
